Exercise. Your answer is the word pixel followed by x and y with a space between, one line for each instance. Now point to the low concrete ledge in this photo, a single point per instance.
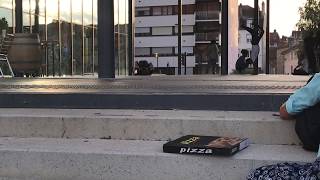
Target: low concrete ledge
pixel 222 100
pixel 67 159
pixel 260 127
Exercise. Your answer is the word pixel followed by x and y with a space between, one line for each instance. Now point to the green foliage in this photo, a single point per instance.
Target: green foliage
pixel 3 24
pixel 310 17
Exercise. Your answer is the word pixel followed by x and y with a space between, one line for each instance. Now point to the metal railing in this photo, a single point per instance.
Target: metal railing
pixel 5 67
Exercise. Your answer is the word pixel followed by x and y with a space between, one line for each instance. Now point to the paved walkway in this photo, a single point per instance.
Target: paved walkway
pixel 236 93
pixel 159 84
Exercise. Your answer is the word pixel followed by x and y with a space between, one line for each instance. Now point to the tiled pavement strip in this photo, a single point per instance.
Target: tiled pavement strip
pixel 158 84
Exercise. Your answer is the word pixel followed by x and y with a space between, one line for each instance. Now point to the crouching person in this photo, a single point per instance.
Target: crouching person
pixel 304 106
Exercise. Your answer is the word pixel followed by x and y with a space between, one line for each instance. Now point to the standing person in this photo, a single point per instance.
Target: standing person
pixel 213 55
pixel 257 33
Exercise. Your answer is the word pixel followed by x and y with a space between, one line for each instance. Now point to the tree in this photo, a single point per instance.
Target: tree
pixel 3 24
pixel 310 17
pixel 309 24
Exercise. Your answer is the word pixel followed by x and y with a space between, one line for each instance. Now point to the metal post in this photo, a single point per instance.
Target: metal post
pixel 131 35
pixel 156 55
pixel 59 43
pixel 19 18
pixel 46 38
pixel 72 40
pixel 256 23
pixel 185 63
pixel 179 35
pixel 53 55
pixel 82 38
pixel 106 54
pixel 224 37
pixel 268 39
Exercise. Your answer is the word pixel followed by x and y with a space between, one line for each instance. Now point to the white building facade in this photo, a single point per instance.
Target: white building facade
pixel 157 33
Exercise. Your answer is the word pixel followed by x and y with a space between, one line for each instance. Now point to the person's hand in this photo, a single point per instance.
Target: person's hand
pixel 284 113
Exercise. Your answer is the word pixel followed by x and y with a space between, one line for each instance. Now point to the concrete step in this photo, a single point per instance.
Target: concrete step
pixel 67 159
pixel 259 127
pixel 83 97
pixel 233 93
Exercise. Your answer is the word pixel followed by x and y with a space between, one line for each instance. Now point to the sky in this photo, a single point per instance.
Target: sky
pixel 284 14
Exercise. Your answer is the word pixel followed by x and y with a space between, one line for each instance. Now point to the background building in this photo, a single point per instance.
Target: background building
pixel 157 32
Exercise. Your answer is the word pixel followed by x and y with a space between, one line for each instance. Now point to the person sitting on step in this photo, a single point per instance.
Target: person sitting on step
pixel 304 106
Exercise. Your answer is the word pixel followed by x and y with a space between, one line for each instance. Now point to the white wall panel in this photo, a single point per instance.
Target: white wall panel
pixel 164 41
pixel 161 31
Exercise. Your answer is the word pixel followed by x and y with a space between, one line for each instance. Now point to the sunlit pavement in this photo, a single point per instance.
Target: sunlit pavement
pixel 159 84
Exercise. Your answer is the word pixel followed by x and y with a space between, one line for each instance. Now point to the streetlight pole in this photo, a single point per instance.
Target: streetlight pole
pixel 156 55
pixel 256 23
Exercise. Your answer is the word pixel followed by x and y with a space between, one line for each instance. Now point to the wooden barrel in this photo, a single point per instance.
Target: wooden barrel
pixel 25 53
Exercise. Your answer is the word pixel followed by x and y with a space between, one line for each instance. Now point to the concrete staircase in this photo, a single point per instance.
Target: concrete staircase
pixel 96 144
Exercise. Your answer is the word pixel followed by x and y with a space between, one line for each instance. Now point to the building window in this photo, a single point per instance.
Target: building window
pixel 145 11
pixel 143 32
pixel 164 51
pixel 188 9
pixel 167 10
pixel 185 30
pixel 156 11
pixel 170 10
pixel 142 52
pixel 208 10
pixel 121 36
pixel 188 50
